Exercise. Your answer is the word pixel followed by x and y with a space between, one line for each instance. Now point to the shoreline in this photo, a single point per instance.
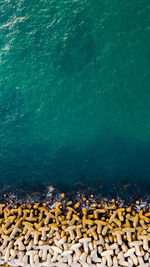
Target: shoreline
pixel 25 194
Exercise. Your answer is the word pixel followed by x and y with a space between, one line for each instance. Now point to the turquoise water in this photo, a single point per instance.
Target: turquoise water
pixel 74 92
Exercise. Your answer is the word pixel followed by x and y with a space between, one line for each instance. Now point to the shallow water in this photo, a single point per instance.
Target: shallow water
pixel 74 92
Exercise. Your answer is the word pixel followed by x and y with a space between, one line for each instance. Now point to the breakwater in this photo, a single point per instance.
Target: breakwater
pixel 83 231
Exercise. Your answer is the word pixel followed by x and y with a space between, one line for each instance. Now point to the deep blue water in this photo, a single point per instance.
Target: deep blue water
pixel 74 92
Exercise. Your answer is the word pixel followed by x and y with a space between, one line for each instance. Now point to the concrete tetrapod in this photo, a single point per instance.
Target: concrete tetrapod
pixel 74 234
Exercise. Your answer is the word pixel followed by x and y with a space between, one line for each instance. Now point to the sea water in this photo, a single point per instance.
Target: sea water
pixel 74 93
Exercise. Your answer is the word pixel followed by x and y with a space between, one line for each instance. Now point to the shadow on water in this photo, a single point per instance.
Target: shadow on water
pixel 77 49
pixel 102 166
